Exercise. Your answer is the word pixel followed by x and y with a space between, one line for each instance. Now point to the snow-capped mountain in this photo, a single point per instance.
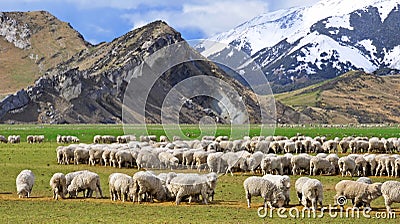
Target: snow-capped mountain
pixel 300 46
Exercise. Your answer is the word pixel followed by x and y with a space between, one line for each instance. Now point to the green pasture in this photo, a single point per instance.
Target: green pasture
pixel 229 205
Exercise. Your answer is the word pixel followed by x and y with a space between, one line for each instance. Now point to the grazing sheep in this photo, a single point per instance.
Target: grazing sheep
pixel 146 159
pixel 270 164
pixel 147 183
pixel 14 139
pixel 70 176
pixel 361 166
pixel 344 145
pixel 258 186
pixel 3 139
pixel 334 159
pixel 95 156
pixel 391 193
pixel 359 193
pixel 81 156
pixel 396 167
pixel 167 160
pixel 85 181
pixel 25 181
pixel 192 185
pixel 300 163
pixel 254 161
pixel 108 139
pixel 330 146
pixel 366 180
pixel 200 159
pixel 58 184
pixel 299 186
pixel 318 164
pixel 283 184
pixel 347 165
pixel 121 186
pixel 371 163
pixel 312 193
pixel 386 164
pixel 214 162
pixel 124 158
pixel 375 144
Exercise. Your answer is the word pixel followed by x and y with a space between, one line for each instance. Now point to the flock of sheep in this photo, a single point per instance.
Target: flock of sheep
pixel 15 139
pixel 219 155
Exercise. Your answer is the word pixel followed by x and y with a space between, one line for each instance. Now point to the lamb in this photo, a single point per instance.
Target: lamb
pixel 121 186
pixel 312 193
pixel 147 183
pixel 282 183
pixel 359 193
pixel 192 185
pixel 347 165
pixel 391 193
pixel 85 181
pixel 258 186
pixel 58 184
pixel 366 180
pixel 321 164
pixel 25 181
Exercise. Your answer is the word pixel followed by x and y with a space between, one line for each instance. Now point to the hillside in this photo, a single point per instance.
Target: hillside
pixel 30 44
pixel 355 97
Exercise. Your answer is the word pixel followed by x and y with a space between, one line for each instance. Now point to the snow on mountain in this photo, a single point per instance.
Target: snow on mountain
pixel 300 46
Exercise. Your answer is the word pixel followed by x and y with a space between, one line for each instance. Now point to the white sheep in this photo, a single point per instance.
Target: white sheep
pixel 391 193
pixel 85 181
pixel 300 163
pixel 359 193
pixel 58 184
pixel 3 139
pixel 167 160
pixel 25 181
pixel 283 184
pixel 254 161
pixel 312 193
pixel 215 162
pixel 120 186
pixel 145 182
pixel 258 186
pixel 347 165
pixel 81 155
pixel 146 159
pixel 299 186
pixel 124 158
pixel 14 139
pixel 361 166
pixel 191 185
pixel 96 156
pixel 333 159
pixel 318 164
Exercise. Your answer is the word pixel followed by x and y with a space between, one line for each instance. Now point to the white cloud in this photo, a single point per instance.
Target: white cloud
pixel 209 16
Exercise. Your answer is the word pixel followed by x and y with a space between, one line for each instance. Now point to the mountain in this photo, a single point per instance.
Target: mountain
pixel 302 46
pixel 30 44
pixel 354 97
pixel 91 85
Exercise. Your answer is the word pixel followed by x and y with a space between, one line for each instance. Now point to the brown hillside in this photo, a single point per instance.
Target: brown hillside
pixel 355 97
pixel 46 42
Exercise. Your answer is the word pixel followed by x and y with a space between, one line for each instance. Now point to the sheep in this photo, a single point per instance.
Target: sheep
pixel 282 183
pixel 58 184
pixel 359 193
pixel 254 161
pixel 38 138
pixel 167 160
pixel 60 153
pixel 386 164
pixel 121 186
pixel 68 153
pixel 391 193
pixel 344 145
pixel 85 180
pixel 366 180
pixel 375 144
pixel 187 158
pixel 269 164
pixel 29 139
pixel 146 159
pixel 25 181
pixel 361 166
pixel 300 163
pixel 3 139
pixel 214 162
pixel 312 193
pixel 200 159
pixel 145 182
pixel 164 138
pixel 258 186
pixel 81 155
pixel 108 139
pixel 221 138
pixel 371 163
pixel 95 156
pixel 14 139
pixel 330 146
pixel 396 167
pixel 192 185
pixel 124 158
pixel 299 186
pixel 333 159
pixel 226 146
pixel 347 166
pixel 126 138
pixel 321 164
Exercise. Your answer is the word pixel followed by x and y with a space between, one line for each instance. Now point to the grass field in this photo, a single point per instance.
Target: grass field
pixel 229 205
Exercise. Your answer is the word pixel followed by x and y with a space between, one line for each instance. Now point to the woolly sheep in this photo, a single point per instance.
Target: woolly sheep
pixel 95 156
pixel 25 181
pixel 312 193
pixel 371 163
pixel 396 167
pixel 124 158
pixel 258 186
pixel 361 166
pixel 333 159
pixel 85 181
pixel 145 182
pixel 192 185
pixel 70 176
pixel 214 162
pixel 386 164
pixel 226 146
pixel 391 193
pixel 347 166
pixel 299 186
pixel 81 155
pixel 58 184
pixel 283 184
pixel 344 145
pixel 121 186
pixel 200 159
pixel 366 180
pixel 3 139
pixel 375 144
pixel 330 146
pixel 13 139
pixel 167 160
pixel 254 161
pixel 300 163
pixel 147 159
pixel 360 193
pixel 321 164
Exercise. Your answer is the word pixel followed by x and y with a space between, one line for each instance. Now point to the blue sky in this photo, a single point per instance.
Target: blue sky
pixel 104 20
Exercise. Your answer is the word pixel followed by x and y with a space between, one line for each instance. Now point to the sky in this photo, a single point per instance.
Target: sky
pixel 104 20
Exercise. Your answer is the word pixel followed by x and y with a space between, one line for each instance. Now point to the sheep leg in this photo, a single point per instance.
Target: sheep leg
pixel 388 202
pixel 248 197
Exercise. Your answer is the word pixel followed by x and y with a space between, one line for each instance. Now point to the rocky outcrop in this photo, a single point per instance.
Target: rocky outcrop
pixel 14 32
